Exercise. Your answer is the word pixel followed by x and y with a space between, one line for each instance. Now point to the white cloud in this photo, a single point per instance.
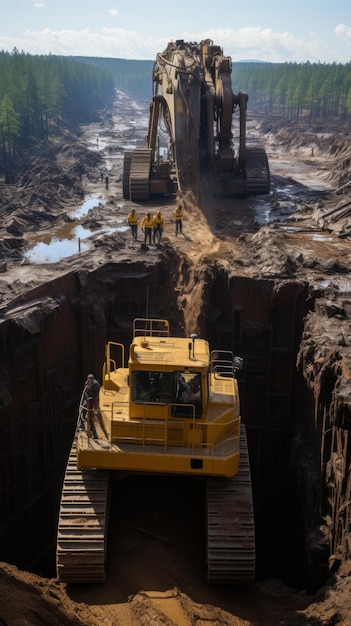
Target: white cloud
pixel 343 31
pixel 245 43
pixel 108 42
pixel 39 5
pixel 266 45
pixel 113 12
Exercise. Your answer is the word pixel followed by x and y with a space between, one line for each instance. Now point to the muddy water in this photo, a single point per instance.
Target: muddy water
pixel 70 238
pixel 74 237
pixel 64 240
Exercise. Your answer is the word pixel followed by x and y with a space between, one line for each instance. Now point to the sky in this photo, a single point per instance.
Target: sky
pixel 278 31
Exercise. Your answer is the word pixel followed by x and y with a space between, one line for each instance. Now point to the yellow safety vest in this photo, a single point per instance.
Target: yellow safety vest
pixel 178 213
pixel 147 223
pixel 133 218
pixel 159 220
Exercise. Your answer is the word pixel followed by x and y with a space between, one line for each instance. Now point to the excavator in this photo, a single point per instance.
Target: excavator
pixel 190 131
pixel 172 409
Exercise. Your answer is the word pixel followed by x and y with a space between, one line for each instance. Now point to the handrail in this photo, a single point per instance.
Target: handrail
pixel 166 422
pixel 224 370
pixel 149 327
pixel 109 360
pixel 85 417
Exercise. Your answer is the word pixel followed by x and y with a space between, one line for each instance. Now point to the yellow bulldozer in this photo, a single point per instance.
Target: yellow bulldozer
pixel 173 410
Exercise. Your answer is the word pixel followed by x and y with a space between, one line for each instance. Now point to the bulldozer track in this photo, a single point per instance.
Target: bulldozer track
pixel 230 525
pixel 257 171
pixel 83 523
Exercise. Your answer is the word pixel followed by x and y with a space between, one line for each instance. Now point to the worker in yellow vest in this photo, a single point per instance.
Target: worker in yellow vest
pixel 159 223
pixel 178 218
pixel 147 226
pixel 133 223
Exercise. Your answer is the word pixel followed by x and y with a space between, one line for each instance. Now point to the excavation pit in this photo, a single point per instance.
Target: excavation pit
pixel 57 333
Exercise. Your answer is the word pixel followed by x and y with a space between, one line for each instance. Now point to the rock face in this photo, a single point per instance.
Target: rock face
pixel 324 361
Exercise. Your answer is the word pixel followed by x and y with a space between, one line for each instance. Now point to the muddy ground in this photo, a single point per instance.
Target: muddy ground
pixel 300 230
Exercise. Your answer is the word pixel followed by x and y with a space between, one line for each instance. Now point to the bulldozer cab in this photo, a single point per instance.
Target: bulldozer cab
pixel 180 388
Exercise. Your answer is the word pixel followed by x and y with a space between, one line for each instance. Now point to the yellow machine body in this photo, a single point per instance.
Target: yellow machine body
pixel 174 409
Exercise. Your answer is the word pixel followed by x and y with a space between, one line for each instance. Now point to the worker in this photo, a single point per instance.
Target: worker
pixel 178 217
pixel 89 401
pixel 91 392
pixel 181 387
pixel 191 395
pixel 159 223
pixel 133 223
pixel 147 225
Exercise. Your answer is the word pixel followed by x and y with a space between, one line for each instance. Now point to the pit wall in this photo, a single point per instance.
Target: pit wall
pixel 55 335
pixel 262 321
pixel 50 338
pixel 324 477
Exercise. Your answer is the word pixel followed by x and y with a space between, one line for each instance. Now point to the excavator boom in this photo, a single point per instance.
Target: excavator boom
pixel 192 110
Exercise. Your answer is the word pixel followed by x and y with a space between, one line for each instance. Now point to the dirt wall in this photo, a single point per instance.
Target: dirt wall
pixel 324 359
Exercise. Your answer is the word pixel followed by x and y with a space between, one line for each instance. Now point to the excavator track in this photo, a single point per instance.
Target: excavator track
pixel 127 163
pixel 230 525
pixel 257 171
pixel 139 180
pixel 83 521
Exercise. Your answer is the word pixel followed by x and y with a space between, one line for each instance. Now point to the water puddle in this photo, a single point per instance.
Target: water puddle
pixel 343 285
pixel 52 249
pixel 88 204
pixel 67 239
pixel 319 237
pixel 65 242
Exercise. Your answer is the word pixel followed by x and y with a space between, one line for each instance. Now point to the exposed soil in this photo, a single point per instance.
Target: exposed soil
pixel 291 233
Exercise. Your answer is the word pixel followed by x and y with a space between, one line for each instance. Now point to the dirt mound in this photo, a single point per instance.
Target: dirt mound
pixel 44 187
pixel 26 599
pixel 29 599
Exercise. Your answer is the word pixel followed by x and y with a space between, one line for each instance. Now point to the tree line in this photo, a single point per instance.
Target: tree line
pixel 38 93
pixel 320 90
pixel 129 74
pixel 316 91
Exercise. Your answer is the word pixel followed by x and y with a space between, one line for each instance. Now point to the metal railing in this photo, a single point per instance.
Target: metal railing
pixel 110 364
pixel 224 363
pixel 148 327
pixel 147 424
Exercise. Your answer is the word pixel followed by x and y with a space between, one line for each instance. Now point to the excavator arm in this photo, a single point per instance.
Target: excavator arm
pixel 193 97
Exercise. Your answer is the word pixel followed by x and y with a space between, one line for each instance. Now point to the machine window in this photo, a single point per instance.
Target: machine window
pixel 187 390
pixel 151 386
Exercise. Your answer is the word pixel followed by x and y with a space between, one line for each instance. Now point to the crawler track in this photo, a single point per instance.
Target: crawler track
pixel 257 171
pixel 139 179
pixel 82 527
pixel 230 525
pixel 127 164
